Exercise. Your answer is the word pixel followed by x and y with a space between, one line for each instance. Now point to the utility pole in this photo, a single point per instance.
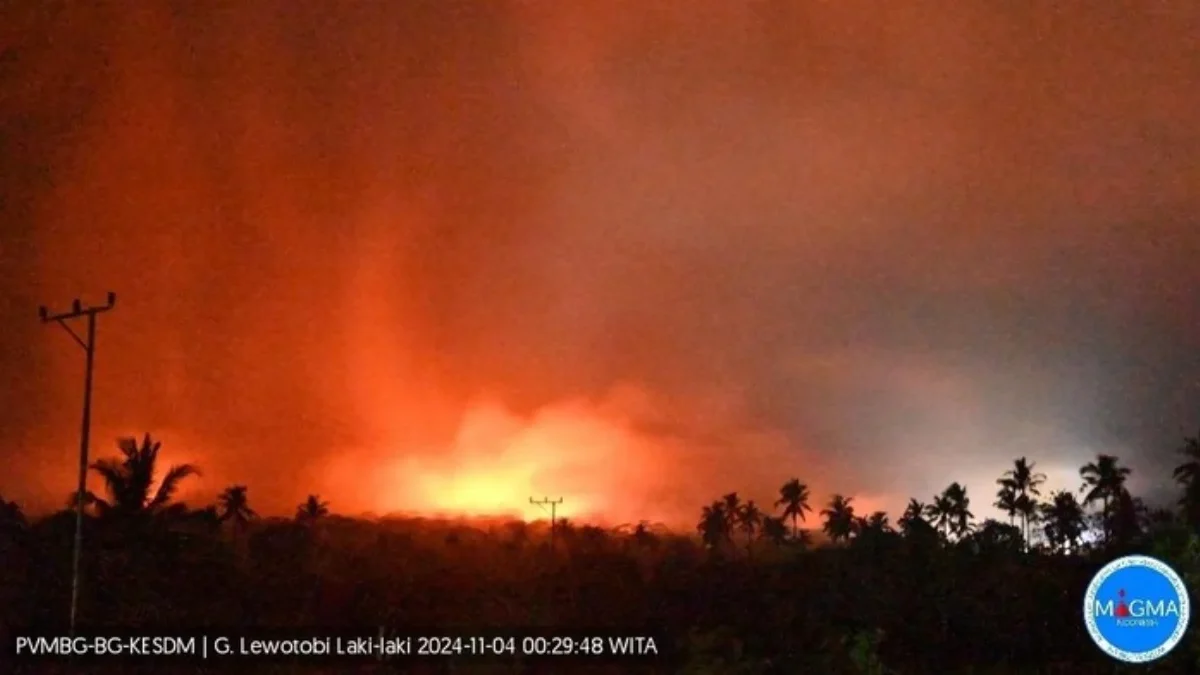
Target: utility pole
pixel 89 348
pixel 553 504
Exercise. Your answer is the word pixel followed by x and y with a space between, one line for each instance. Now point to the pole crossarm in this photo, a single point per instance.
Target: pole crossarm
pixel 78 309
pixel 553 511
pixel 82 311
pixel 546 501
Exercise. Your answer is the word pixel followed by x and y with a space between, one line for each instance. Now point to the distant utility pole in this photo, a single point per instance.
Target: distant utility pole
pixel 553 511
pixel 89 348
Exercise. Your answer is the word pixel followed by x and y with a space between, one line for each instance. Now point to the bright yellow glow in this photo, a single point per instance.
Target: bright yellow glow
pixel 592 455
pixel 481 490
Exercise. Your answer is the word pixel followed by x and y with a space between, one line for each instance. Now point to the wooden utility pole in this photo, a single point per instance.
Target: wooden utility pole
pixel 553 511
pixel 89 348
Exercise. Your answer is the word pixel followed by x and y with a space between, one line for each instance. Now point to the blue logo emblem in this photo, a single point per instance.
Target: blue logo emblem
pixel 1136 609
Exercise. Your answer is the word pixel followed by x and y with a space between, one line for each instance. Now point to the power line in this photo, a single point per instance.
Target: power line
pixel 89 348
pixel 553 511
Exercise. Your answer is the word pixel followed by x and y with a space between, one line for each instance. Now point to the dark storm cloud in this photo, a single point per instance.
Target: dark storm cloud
pixel 917 241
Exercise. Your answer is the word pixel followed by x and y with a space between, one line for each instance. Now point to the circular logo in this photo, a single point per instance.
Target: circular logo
pixel 1136 609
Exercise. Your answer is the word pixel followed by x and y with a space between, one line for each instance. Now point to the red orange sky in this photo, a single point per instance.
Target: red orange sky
pixel 440 256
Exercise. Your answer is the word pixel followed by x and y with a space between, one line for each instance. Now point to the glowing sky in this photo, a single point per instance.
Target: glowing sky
pixel 442 255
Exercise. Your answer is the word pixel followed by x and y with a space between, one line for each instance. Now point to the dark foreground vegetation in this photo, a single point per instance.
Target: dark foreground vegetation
pixel 937 593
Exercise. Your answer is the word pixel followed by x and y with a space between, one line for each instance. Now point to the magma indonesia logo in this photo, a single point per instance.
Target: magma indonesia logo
pixel 1136 609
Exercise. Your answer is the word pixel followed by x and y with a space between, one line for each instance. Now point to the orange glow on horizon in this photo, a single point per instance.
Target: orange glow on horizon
pixel 596 456
pixel 498 461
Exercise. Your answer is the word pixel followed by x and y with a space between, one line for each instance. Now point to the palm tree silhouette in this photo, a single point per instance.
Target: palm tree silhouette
pixel 878 521
pixel 1007 501
pixel 312 510
pixel 913 523
pixel 940 513
pixel 1025 481
pixel 774 530
pixel 234 507
pixel 1063 520
pixel 714 525
pixel 130 481
pixel 749 519
pixel 731 506
pixel 874 524
pixel 1128 514
pixel 839 518
pixel 960 509
pixel 793 497
pixel 873 530
pixel 1187 475
pixel 1103 481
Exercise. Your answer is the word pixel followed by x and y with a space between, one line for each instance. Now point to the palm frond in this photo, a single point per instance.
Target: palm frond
pixel 170 484
pixel 116 480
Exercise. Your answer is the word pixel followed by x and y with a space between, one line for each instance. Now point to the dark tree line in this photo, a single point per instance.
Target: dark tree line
pixel 1056 524
pixel 756 592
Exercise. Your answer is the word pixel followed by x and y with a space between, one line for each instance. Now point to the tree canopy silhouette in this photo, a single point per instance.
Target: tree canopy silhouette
pixel 793 496
pixel 234 505
pixel 312 510
pixel 840 523
pixel 745 592
pixel 1188 476
pixel 1020 487
pixel 1103 481
pixel 129 482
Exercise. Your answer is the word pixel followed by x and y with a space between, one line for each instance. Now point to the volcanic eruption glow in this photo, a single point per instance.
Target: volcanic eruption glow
pixel 613 460
pixel 414 257
pixel 498 460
